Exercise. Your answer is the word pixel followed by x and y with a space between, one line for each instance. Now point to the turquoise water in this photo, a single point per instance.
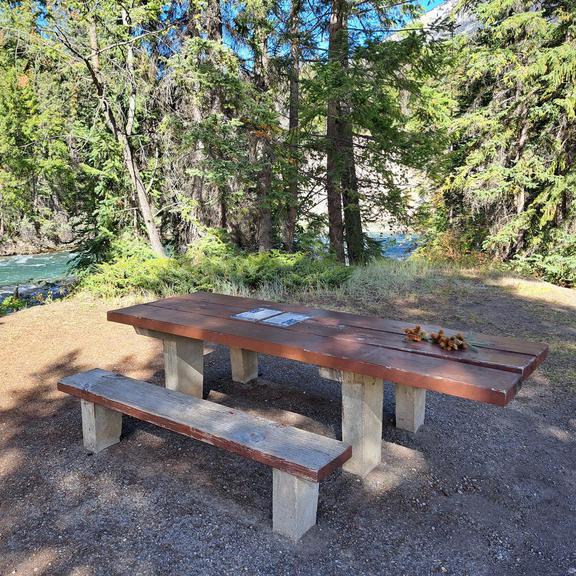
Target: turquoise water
pixel 33 268
pixel 396 246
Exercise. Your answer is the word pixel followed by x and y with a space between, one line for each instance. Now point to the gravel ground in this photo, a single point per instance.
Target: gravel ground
pixel 479 491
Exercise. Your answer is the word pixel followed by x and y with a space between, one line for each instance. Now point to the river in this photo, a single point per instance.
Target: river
pixel 30 269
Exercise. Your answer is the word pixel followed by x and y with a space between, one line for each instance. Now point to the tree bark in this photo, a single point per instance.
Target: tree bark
pixel 264 152
pixel 337 34
pixel 264 185
pixel 293 125
pixel 350 195
pixel 342 182
pixel 122 133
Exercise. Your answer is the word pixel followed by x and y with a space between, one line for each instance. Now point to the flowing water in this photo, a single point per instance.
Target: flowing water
pixel 33 268
pixel 396 246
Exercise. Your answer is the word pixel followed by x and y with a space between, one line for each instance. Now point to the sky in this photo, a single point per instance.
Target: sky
pixel 429 4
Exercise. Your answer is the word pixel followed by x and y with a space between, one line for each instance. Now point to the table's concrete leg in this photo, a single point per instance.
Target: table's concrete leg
pixel 330 374
pixel 183 361
pixel 294 504
pixel 101 427
pixel 244 365
pixel 362 403
pixel 184 365
pixel 410 407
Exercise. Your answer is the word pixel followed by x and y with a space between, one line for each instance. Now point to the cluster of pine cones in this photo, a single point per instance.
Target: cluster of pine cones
pixel 457 342
pixel 415 334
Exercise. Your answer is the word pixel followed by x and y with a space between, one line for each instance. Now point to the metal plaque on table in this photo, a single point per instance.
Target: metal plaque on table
pixel 257 314
pixel 286 319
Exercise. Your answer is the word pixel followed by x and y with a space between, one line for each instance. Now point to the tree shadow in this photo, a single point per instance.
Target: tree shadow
pixel 479 490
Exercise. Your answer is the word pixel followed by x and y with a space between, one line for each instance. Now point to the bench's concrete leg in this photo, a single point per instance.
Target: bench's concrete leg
pixel 101 427
pixel 184 365
pixel 294 504
pixel 244 365
pixel 410 407
pixel 362 404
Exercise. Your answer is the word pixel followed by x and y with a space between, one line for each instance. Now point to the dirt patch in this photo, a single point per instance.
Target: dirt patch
pixel 478 491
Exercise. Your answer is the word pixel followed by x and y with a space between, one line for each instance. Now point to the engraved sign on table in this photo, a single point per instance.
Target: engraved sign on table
pixel 286 319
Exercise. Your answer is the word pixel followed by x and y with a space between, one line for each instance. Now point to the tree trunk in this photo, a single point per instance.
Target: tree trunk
pixel 263 148
pixel 264 185
pixel 122 136
pixel 142 195
pixel 350 197
pixel 342 182
pixel 337 34
pixel 293 125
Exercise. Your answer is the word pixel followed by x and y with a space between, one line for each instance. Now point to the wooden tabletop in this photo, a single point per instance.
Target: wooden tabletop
pixel 491 371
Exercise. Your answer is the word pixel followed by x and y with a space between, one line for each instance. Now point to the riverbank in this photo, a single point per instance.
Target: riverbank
pixel 479 490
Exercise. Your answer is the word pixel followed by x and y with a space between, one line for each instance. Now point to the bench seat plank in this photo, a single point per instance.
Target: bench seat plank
pixel 284 448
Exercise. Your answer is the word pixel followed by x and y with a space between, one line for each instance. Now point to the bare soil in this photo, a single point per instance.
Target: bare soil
pixel 479 491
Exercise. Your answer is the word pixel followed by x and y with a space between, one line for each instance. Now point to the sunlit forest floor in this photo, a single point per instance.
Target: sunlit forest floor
pixel 480 490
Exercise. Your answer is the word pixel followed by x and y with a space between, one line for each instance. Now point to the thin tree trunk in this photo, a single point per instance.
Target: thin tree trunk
pixel 293 125
pixel 263 150
pixel 121 136
pixel 264 185
pixel 350 197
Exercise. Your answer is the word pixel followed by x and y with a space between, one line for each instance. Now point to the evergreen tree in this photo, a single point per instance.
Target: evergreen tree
pixel 509 183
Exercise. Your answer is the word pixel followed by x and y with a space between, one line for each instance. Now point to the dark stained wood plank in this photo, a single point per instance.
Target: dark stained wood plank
pixel 509 361
pixel 285 448
pixel 334 318
pixel 459 379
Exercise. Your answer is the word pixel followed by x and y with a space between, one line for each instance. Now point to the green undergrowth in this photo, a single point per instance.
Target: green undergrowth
pixel 11 304
pixel 556 265
pixel 211 264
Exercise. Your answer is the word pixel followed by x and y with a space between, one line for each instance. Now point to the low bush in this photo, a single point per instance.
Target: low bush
pixel 556 268
pixel 211 264
pixel 11 304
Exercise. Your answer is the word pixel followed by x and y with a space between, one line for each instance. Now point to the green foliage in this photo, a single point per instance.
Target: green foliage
pixel 179 124
pixel 208 265
pixel 506 185
pixel 105 247
pixel 557 266
pixel 386 88
pixel 11 304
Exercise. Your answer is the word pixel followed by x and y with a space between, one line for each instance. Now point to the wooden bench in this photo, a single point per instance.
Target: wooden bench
pixel 299 459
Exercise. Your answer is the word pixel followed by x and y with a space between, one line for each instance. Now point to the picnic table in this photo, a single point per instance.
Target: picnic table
pixel 361 352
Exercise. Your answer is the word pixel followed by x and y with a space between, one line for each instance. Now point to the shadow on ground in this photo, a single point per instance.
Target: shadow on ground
pixel 480 490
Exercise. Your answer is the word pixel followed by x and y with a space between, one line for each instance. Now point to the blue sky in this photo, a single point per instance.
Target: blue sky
pixel 428 5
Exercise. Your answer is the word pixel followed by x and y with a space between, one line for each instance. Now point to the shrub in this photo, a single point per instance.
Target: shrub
pixel 11 304
pixel 557 264
pixel 211 264
pixel 556 268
